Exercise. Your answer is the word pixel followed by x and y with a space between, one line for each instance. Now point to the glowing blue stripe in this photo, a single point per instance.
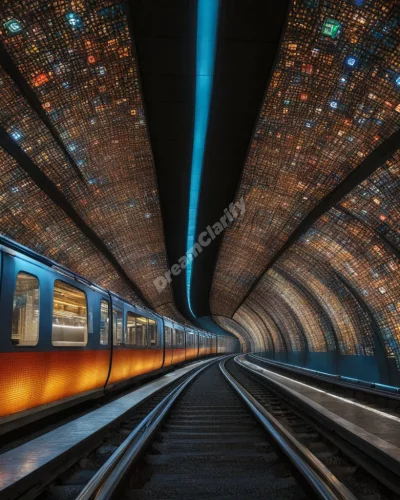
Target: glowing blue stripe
pixel 207 21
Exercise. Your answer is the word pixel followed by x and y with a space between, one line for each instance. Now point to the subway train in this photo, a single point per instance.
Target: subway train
pixel 64 339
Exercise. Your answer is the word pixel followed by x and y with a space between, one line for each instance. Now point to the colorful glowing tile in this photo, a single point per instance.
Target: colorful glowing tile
pixel 331 28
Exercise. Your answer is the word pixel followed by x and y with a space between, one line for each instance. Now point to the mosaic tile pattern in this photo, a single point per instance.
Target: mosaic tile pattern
pixel 269 327
pixel 28 216
pixel 352 326
pixel 77 58
pixel 344 261
pixel 285 320
pixel 333 98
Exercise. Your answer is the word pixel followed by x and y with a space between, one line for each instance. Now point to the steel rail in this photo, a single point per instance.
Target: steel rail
pixel 108 478
pixel 322 482
pixel 384 468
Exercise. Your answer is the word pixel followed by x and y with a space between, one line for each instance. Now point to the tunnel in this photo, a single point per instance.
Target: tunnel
pixel 191 178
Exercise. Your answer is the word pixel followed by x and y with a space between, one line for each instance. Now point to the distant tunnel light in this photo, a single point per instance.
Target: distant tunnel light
pixel 207 22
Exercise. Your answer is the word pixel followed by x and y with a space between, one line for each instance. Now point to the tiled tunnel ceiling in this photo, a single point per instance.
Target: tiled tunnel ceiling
pixel 71 114
pixel 331 108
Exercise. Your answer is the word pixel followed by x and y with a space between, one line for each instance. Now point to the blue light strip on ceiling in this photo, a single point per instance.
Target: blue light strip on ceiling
pixel 207 22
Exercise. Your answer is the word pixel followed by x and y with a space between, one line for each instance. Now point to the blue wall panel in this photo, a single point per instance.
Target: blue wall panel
pixel 358 367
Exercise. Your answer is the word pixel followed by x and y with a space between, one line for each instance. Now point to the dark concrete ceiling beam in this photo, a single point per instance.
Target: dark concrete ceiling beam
pixel 13 72
pixel 249 38
pixel 164 36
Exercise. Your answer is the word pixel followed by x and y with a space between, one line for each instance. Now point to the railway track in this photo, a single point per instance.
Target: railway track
pixel 332 452
pixel 216 433
pixel 211 446
pixel 205 439
pixel 368 393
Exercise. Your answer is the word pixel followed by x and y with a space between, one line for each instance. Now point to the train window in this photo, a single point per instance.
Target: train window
pixel 141 331
pixel 190 340
pixel 25 318
pixel 104 322
pixel 117 326
pixel 69 326
pixel 130 329
pixel 168 337
pixel 136 330
pixel 152 332
pixel 179 339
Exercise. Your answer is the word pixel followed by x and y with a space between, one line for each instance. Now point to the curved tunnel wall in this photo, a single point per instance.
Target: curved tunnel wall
pixel 329 298
pixel 244 336
pixel 334 295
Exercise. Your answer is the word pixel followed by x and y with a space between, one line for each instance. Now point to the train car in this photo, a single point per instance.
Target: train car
pixel 52 346
pixel 179 344
pixel 205 340
pixel 202 344
pixel 168 342
pixel 138 342
pixel 214 344
pixel 209 344
pixel 192 343
pixel 64 339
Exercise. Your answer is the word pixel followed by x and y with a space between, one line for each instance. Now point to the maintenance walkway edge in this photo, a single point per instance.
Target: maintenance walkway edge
pixel 374 432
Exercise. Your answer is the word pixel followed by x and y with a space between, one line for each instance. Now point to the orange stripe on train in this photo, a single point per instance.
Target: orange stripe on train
pixel 30 379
